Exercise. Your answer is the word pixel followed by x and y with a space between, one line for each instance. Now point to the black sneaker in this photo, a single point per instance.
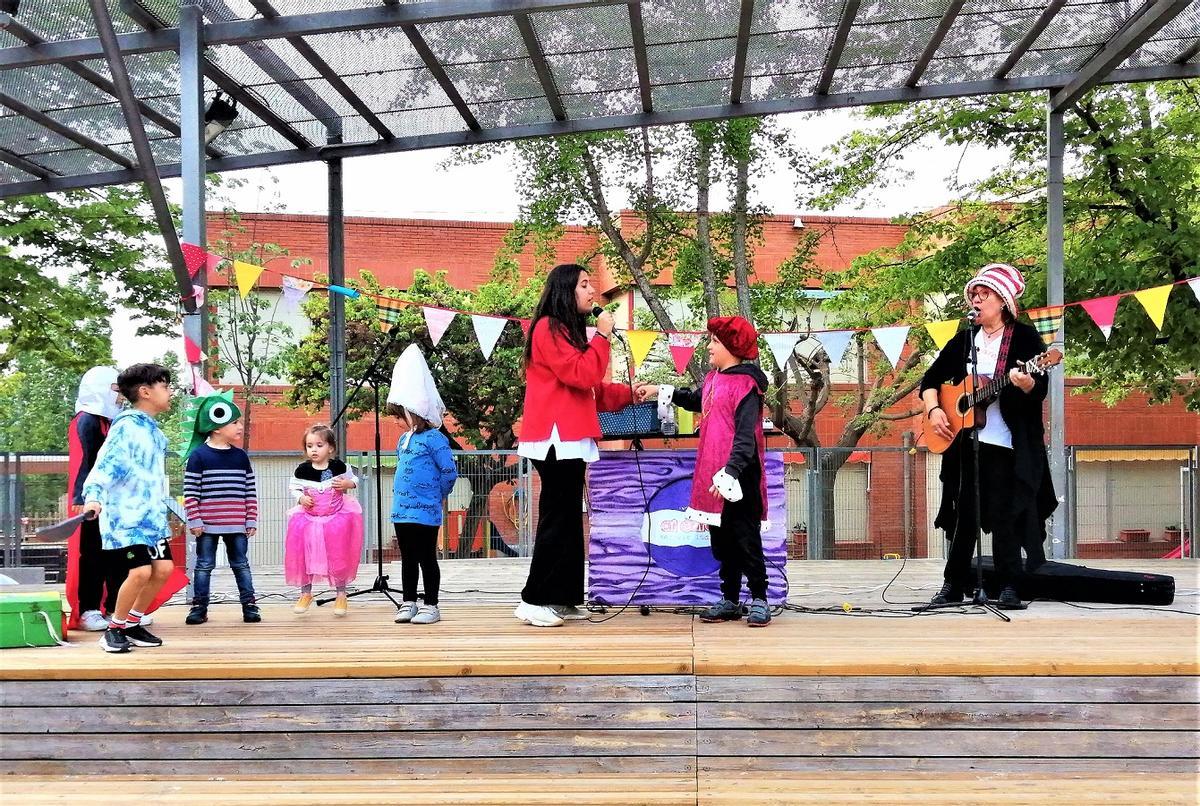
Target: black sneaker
pixel 1009 599
pixel 723 610
pixel 949 594
pixel 197 615
pixel 760 613
pixel 114 641
pixel 251 614
pixel 140 636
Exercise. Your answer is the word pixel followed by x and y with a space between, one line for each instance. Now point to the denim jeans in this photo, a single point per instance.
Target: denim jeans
pixel 206 559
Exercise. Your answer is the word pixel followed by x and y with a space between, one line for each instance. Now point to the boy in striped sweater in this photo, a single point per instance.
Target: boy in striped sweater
pixel 220 498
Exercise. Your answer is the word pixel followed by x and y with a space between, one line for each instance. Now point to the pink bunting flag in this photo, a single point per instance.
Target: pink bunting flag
pixel 524 326
pixel 437 320
pixel 192 351
pixel 212 262
pixel 683 347
pixel 1103 310
pixel 193 257
pixel 200 387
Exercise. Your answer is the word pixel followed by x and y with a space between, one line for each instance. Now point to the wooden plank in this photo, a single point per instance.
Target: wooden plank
pixel 964 742
pixel 464 717
pixel 946 790
pixel 949 764
pixel 415 744
pixel 948 715
pixel 368 691
pixel 893 688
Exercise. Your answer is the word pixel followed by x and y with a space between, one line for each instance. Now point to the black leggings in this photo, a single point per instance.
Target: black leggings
pixel 556 570
pixel 96 573
pixel 418 556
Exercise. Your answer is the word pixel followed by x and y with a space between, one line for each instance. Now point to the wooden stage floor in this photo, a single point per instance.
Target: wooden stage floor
pixel 1063 704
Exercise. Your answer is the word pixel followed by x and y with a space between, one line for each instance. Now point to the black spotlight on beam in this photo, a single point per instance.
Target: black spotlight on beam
pixel 9 6
pixel 217 117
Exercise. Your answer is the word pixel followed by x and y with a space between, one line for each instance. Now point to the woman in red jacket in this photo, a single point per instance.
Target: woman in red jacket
pixel 564 387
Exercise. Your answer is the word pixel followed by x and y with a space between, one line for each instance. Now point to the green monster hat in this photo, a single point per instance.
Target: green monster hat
pixel 205 415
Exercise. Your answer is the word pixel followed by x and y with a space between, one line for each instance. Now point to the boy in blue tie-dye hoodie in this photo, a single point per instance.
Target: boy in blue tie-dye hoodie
pixel 127 488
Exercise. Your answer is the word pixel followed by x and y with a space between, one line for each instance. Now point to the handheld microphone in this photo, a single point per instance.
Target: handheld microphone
pixel 973 315
pixel 596 311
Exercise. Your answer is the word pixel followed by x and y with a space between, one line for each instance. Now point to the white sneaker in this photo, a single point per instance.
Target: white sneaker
pixel 537 615
pixel 568 612
pixel 93 621
pixel 406 612
pixel 146 620
pixel 427 614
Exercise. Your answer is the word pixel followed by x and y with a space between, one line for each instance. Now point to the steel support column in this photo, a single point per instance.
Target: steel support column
pixel 1061 543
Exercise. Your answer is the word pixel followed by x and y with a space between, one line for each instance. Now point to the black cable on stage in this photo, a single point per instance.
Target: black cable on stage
pixel 1148 608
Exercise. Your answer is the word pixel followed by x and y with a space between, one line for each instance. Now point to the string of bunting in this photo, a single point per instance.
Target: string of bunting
pixel 488 328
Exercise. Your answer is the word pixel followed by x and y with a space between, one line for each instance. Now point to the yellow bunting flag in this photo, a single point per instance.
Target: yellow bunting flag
pixel 942 332
pixel 247 275
pixel 640 342
pixel 1154 300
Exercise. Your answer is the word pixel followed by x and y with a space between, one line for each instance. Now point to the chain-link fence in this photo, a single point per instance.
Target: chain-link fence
pixel 862 503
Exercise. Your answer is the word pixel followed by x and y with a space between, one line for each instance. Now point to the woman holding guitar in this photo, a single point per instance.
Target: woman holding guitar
pixel 1015 492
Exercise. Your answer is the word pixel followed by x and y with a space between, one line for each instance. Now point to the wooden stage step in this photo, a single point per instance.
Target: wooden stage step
pixel 487 640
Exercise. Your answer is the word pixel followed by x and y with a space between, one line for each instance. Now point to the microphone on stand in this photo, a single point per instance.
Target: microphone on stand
pixel 973 317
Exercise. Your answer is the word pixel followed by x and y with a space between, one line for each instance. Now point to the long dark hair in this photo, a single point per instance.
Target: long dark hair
pixel 558 305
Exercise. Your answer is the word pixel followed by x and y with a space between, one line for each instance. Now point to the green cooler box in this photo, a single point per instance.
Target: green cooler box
pixel 31 618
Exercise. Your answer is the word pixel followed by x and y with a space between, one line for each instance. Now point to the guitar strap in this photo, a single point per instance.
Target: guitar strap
pixel 1002 356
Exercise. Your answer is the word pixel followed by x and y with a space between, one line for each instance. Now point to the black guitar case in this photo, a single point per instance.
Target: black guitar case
pixel 1077 583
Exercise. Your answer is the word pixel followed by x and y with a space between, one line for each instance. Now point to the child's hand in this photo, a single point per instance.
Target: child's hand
pixel 92 509
pixel 645 391
pixel 251 532
pixel 342 484
pixel 306 501
pixel 197 530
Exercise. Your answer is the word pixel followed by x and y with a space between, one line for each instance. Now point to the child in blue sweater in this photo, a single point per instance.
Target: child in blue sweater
pixel 425 474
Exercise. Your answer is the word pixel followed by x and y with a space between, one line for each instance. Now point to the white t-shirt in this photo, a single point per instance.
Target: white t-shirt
pixel 584 449
pixel 995 430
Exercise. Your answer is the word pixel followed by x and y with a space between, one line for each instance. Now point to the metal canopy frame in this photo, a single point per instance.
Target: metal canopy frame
pixel 483 71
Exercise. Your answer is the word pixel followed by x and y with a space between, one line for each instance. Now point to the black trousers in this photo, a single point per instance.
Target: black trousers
pixel 737 542
pixel 96 574
pixel 418 557
pixel 556 570
pixel 1012 522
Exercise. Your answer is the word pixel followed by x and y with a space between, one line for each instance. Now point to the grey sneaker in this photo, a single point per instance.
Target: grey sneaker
pixel 569 612
pixel 760 613
pixel 427 614
pixel 406 612
pixel 723 610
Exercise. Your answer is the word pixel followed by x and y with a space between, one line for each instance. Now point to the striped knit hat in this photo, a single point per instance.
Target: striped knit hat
pixel 1002 278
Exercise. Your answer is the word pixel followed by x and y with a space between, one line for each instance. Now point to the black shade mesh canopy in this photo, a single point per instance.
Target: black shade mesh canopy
pixel 391 76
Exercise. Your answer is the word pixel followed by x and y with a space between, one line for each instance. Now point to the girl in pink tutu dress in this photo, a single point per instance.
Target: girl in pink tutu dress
pixel 325 529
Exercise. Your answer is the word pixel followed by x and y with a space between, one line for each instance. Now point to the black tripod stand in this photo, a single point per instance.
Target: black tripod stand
pixel 380 585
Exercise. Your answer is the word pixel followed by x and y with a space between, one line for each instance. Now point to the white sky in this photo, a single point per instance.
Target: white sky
pixel 418 185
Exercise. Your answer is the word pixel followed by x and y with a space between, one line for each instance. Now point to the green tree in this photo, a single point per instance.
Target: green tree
pixel 37 401
pixel 67 261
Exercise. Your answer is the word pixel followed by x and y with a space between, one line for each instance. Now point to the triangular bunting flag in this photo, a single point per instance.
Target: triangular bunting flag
pixel 199 295
pixel 294 290
pixel 1048 321
pixel 835 342
pixel 782 345
pixel 192 351
pixel 212 262
pixel 437 320
pixel 201 387
pixel 488 330
pixel 388 311
pixel 891 341
pixel 1195 284
pixel 942 332
pixel 247 275
pixel 683 347
pixel 640 342
pixel 1103 310
pixel 1154 300
pixel 193 257
pixel 524 323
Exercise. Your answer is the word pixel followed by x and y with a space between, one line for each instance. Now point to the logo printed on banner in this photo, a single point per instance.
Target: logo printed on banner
pixel 677 544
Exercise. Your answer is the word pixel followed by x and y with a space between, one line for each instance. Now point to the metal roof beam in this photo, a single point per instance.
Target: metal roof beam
pixel 328 73
pixel 239 32
pixel 540 65
pixel 1026 42
pixel 141 147
pixel 143 17
pixel 849 12
pixel 935 42
pixel 638 33
pixel 31 168
pixel 745 21
pixel 35 41
pixel 47 122
pixel 1144 23
pixel 1188 54
pixel 439 74
pixel 578 125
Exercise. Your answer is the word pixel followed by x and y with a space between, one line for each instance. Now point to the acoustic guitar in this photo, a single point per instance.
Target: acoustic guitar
pixel 965 406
